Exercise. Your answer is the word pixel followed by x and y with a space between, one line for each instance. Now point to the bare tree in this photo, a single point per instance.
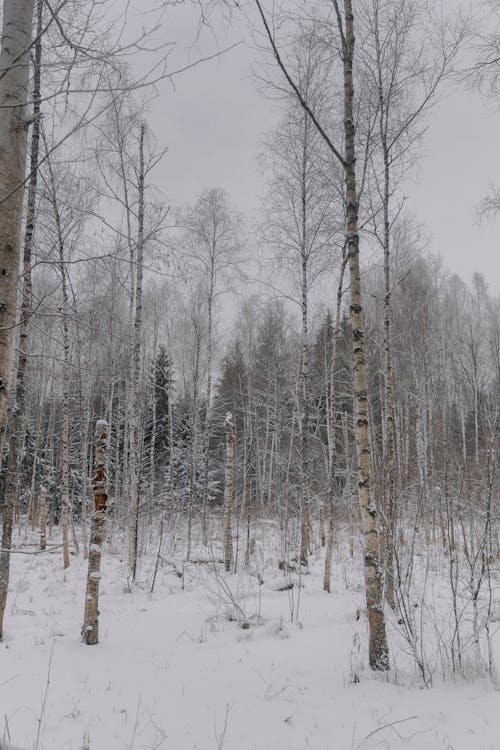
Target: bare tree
pixel 300 223
pixel 211 244
pixel 407 54
pixel 135 369
pixel 378 648
pixel 332 450
pixel 228 491
pixel 14 92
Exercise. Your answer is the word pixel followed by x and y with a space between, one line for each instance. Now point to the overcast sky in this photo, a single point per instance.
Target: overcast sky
pixel 214 121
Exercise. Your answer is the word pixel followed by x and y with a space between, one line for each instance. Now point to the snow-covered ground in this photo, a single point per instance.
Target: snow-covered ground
pixel 213 660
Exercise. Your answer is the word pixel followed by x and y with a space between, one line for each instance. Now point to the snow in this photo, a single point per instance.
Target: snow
pixel 216 660
pixel 4 745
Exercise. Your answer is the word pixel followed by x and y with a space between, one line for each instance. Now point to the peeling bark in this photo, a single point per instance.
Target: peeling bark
pixel 90 627
pixel 14 77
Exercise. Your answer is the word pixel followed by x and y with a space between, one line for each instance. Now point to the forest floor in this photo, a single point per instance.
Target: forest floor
pixel 211 660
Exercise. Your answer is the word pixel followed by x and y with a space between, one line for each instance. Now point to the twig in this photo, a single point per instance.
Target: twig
pixel 7 730
pixel 221 736
pixel 44 701
pixel 34 552
pixel 384 726
pixel 136 723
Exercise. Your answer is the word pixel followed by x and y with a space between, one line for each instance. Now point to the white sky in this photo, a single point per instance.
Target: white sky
pixel 214 120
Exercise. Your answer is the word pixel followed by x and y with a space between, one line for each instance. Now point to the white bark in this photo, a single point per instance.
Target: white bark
pixel 14 75
pixel 378 648
pixel 136 369
pixel 90 627
pixel 228 491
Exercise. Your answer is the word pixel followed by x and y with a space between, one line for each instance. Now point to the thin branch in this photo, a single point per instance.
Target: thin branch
pixel 295 88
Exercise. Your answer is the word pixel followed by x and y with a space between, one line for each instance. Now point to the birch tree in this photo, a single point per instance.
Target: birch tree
pixel 406 56
pixel 228 491
pixel 211 244
pixel 300 223
pixel 65 426
pixel 332 421
pixel 378 648
pixel 90 628
pixel 135 369
pixel 14 93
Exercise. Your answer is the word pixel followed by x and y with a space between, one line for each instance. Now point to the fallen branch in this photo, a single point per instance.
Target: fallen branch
pixel 33 552
pixel 385 726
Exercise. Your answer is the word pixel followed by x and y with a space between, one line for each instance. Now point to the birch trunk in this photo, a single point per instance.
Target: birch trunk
pixel 128 436
pixel 136 367
pixel 65 509
pixel 389 466
pixel 43 518
pixel 378 648
pixel 65 503
pixel 332 456
pixel 304 521
pixel 154 427
pixel 206 436
pixel 193 494
pixel 228 492
pixel 90 627
pixel 14 77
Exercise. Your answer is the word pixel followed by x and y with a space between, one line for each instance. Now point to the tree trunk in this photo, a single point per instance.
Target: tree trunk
pixel 378 648
pixel 90 627
pixel 14 77
pixel 43 518
pixel 65 431
pixel 136 367
pixel 305 511
pixel 65 506
pixel 332 455
pixel 389 465
pixel 208 396
pixel 228 492
pixel 193 492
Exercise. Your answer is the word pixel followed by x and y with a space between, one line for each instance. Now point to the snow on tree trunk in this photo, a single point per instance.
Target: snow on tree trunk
pixel 17 427
pixel 208 399
pixel 43 518
pixel 136 370
pixel 304 443
pixel 332 455
pixel 228 491
pixel 65 429
pixel 90 628
pixel 14 76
